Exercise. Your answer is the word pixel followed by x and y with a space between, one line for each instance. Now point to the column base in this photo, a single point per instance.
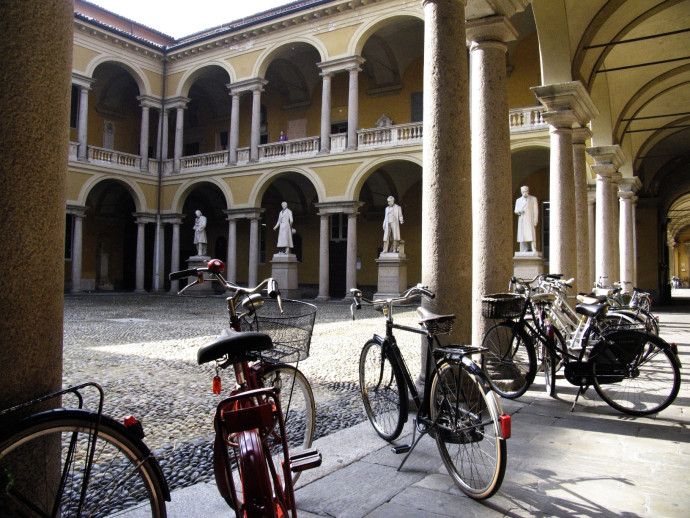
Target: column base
pixel 284 270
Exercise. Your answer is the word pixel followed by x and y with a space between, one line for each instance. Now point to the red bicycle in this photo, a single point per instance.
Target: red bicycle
pixel 271 409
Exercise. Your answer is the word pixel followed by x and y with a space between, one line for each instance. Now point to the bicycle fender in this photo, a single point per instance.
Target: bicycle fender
pixel 379 339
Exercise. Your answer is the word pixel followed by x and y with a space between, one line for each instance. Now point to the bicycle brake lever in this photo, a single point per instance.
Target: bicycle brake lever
pixel 197 281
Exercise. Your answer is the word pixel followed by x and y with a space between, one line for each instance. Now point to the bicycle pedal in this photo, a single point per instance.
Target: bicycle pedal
pixel 306 460
pixel 403 448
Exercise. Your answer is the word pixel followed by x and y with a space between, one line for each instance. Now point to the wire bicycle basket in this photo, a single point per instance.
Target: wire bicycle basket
pixel 290 332
pixel 502 305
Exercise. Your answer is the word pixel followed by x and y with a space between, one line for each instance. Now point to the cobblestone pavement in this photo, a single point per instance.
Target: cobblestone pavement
pixel 142 349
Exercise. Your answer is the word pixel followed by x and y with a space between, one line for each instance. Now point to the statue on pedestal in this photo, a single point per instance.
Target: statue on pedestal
pixel 527 208
pixel 285 230
pixel 200 233
pixel 391 226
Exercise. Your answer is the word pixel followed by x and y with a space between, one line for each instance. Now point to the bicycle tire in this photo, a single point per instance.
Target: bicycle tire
pixel 552 362
pixel 123 474
pixel 467 433
pixel 298 405
pixel 257 490
pixel 646 385
pixel 383 391
pixel 510 361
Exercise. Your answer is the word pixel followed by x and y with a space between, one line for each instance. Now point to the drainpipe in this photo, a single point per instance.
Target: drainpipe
pixel 157 281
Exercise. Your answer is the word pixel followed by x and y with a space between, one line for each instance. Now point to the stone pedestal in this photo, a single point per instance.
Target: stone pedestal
pixel 392 275
pixel 205 289
pixel 284 270
pixel 528 265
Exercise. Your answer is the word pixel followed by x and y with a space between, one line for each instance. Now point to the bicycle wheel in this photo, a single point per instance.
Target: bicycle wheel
pixel 467 430
pixel 383 391
pixel 643 385
pixel 75 473
pixel 510 361
pixel 552 362
pixel 257 490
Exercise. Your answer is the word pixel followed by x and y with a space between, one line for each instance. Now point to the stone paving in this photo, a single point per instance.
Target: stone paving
pixel 142 350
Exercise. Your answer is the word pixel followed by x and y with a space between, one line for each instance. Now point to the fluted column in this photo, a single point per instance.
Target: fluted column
pixel 78 213
pixel 353 107
pixel 582 280
pixel 492 257
pixel 607 159
pixel 324 258
pixel 326 113
pixel 234 137
pixel 566 104
pixel 446 178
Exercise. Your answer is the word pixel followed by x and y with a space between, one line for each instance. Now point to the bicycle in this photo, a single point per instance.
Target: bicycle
pixel 457 407
pixel 633 371
pixel 635 307
pixel 76 462
pixel 254 470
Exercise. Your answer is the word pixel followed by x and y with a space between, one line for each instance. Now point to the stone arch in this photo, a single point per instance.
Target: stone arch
pixel 132 187
pixel 191 75
pixel 363 33
pixel 360 176
pixel 137 74
pixel 264 60
pixel 267 179
pixel 188 186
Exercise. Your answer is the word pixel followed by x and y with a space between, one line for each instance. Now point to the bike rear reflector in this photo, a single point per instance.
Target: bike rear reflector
pixel 216 385
pixel 506 426
pixel 133 425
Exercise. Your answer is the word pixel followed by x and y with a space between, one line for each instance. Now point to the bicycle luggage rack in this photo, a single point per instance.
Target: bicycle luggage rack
pixel 69 390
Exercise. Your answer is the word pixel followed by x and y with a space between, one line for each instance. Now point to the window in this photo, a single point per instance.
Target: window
pixel 223 140
pixel 338 127
pixel 69 226
pixel 74 107
pixel 338 227
pixel 417 108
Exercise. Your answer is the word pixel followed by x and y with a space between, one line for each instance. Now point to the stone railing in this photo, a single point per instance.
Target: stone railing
pixel 527 119
pixel 114 158
pixel 214 158
pixel 289 149
pixel 73 150
pixel 242 155
pixel 338 142
pixel 390 136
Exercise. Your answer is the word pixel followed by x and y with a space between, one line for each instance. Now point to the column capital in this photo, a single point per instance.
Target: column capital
pixel 591 193
pixel 172 219
pixel 581 135
pixel 78 211
pixel 607 155
pixel 628 186
pixel 246 213
pixel 177 102
pixel 82 80
pixel 567 96
pixel 247 85
pixel 561 119
pixel 490 29
pixel 149 101
pixel 339 207
pixel 341 65
pixel 144 217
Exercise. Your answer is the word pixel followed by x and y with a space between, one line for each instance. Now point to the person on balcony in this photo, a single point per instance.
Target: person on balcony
pixel 282 137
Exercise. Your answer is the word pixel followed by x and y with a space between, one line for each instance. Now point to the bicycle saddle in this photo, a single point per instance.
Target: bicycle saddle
pixel 543 298
pixel 237 346
pixel 590 310
pixel 427 316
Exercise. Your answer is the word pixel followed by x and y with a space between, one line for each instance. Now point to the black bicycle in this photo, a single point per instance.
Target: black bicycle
pixel 457 408
pixel 76 462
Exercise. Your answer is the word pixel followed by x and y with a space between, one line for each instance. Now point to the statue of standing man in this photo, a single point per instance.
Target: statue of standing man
pixel 285 230
pixel 527 208
pixel 200 233
pixel 391 226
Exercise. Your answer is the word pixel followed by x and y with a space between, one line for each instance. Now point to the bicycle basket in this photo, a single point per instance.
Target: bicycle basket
pixel 502 305
pixel 290 331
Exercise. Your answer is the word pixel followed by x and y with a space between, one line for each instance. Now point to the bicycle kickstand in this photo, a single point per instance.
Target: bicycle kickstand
pixel 408 448
pixel 580 391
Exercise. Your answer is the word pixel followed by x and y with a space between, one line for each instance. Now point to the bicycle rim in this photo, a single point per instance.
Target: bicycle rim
pixel 510 363
pixel 646 385
pixel 467 431
pixel 257 490
pixel 57 444
pixel 382 390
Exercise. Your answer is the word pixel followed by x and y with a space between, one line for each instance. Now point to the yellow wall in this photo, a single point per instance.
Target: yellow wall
pixel 526 73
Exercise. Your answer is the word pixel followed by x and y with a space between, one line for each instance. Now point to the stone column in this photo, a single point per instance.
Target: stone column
pixel 607 159
pixel 79 213
pixel 176 221
pixel 146 103
pixel 566 104
pixel 84 84
pixel 324 257
pixel 634 219
pixel 591 220
pixel 351 260
pixel 326 113
pixel 256 124
pixel 234 137
pixel 159 259
pixel 180 104
pixel 353 107
pixel 253 251
pixel 231 263
pixel 626 235
pixel 141 253
pixel 164 135
pixel 446 179
pixel 582 280
pixel 615 227
pixel 492 250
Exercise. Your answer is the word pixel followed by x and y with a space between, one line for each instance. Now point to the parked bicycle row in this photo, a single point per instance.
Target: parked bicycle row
pixel 264 429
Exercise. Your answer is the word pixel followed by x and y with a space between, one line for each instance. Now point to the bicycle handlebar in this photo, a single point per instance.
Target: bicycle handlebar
pixel 407 295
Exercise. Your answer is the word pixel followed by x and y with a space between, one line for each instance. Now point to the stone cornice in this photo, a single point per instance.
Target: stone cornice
pixel 567 96
pixel 116 37
pixel 247 85
pixel 492 28
pixel 245 213
pixel 340 64
pixel 607 155
pixel 82 80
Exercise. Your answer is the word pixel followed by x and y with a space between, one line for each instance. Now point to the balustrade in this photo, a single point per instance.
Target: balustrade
pixel 527 119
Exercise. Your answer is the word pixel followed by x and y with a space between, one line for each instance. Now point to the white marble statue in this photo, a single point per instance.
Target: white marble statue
pixel 285 230
pixel 200 233
pixel 391 226
pixel 527 209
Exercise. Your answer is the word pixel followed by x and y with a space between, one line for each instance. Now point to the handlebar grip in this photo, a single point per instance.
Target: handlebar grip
pixel 182 274
pixel 273 290
pixel 428 293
